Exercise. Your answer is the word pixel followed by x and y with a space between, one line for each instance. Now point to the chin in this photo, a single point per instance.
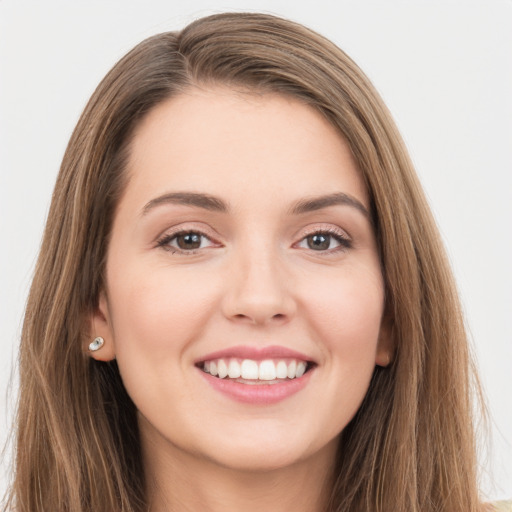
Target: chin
pixel 268 452
pixel 258 459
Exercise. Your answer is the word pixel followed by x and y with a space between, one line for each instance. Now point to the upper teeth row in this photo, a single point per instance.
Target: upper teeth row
pixel 250 369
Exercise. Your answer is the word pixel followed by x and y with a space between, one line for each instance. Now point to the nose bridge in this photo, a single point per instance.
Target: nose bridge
pixel 258 289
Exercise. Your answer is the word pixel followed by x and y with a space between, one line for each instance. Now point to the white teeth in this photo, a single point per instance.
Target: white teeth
pixel 301 368
pixel 281 370
pixel 248 369
pixel 292 369
pixel 267 370
pixel 234 369
pixel 222 368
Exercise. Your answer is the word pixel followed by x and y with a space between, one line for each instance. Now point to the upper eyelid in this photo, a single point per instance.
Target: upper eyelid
pixel 330 229
pixel 340 231
pixel 186 227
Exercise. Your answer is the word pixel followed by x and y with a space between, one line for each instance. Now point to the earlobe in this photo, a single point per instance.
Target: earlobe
pixel 385 346
pixel 100 345
pixel 383 359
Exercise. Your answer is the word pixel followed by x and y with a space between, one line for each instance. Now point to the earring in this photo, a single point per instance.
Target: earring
pixel 96 344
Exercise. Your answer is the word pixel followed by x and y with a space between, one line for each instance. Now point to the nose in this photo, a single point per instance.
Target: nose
pixel 259 290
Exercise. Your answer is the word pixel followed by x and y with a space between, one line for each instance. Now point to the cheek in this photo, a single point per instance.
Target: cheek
pixel 159 312
pixel 157 315
pixel 346 315
pixel 344 311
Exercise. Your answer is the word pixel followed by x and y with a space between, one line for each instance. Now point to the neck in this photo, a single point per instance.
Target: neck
pixel 179 481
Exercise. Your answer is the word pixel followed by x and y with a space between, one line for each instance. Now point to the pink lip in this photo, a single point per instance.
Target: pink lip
pixel 263 394
pixel 255 353
pixel 257 394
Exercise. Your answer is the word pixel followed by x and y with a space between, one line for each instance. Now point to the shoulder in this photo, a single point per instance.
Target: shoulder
pixel 502 506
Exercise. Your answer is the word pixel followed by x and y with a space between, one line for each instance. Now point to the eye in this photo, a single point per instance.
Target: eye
pixel 324 241
pixel 185 241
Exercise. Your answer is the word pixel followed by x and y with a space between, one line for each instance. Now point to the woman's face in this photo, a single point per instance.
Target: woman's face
pixel 242 246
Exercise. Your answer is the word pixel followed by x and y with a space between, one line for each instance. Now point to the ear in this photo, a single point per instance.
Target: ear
pixel 385 346
pixel 100 325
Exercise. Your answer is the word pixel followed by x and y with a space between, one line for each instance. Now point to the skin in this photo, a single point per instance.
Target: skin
pixel 254 281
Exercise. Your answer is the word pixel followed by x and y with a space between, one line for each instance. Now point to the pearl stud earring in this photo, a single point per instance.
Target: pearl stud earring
pixel 96 344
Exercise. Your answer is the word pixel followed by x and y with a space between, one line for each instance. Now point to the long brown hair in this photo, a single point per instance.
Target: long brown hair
pixel 410 447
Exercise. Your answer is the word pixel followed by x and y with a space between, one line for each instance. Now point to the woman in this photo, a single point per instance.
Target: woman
pixel 241 299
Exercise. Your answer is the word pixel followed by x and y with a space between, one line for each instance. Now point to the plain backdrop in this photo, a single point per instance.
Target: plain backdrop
pixel 443 67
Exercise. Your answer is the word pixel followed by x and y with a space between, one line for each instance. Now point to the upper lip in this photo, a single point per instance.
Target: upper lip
pixel 256 353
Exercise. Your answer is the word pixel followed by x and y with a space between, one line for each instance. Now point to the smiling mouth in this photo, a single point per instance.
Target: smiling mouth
pixel 253 372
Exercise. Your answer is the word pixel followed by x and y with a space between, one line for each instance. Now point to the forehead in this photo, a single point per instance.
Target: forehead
pixel 240 144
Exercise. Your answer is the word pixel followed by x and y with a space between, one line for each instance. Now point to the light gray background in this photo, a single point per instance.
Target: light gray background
pixel 443 67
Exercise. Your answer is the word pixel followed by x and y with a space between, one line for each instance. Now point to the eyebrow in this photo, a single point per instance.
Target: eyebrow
pixel 205 201
pixel 319 202
pixel 212 203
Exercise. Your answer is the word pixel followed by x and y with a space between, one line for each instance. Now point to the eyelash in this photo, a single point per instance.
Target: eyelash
pixel 168 238
pixel 342 239
pixel 344 242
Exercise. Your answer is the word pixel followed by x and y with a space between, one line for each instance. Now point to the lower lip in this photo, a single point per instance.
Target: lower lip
pixel 258 394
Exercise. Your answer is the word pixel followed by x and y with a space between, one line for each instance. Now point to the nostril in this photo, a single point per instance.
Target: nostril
pixel 260 318
pixel 258 308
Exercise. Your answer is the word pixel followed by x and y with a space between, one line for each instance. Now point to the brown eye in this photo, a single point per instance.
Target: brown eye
pixel 188 241
pixel 319 241
pixel 185 242
pixel 325 241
